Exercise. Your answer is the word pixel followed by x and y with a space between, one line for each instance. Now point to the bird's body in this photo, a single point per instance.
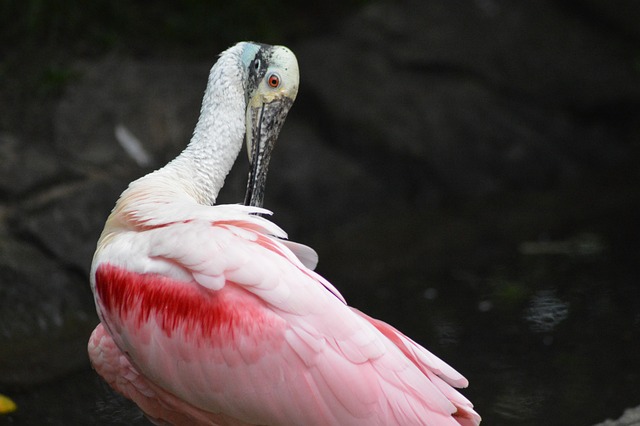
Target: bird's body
pixel 209 317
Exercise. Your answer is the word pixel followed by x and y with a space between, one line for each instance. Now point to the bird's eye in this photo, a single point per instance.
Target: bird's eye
pixel 257 64
pixel 274 80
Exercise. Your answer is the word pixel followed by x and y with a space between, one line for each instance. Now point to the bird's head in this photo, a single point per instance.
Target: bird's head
pixel 272 81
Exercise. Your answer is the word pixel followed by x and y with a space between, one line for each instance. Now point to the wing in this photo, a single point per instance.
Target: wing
pixel 225 317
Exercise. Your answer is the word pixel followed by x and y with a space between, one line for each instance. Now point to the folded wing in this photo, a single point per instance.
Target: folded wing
pixel 226 318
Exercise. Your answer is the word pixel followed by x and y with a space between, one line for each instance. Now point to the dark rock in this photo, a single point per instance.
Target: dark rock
pixel 535 49
pixel 157 102
pixel 46 314
pixel 486 96
pixel 317 184
pixel 25 166
pixel 67 220
pixel 623 14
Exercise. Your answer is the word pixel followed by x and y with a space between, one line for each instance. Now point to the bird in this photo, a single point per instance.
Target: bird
pixel 209 315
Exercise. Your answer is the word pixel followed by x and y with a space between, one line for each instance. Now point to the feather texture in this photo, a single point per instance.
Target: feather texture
pixel 210 317
pixel 224 316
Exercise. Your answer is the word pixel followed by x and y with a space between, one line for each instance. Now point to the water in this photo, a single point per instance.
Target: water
pixel 534 298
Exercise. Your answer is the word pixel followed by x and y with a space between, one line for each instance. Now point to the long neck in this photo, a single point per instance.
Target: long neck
pixel 200 170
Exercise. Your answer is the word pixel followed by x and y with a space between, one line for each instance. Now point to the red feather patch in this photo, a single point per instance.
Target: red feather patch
pixel 196 311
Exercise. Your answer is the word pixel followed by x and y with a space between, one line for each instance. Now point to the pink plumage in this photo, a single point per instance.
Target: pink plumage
pixel 209 317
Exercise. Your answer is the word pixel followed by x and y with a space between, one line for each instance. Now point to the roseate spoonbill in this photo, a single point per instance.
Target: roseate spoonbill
pixel 210 317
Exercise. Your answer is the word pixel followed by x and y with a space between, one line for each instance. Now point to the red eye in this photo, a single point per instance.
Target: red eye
pixel 274 80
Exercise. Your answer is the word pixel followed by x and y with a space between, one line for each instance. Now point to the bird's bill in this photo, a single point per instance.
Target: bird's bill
pixel 264 122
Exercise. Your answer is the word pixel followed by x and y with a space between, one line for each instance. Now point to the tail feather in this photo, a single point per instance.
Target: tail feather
pixel 440 373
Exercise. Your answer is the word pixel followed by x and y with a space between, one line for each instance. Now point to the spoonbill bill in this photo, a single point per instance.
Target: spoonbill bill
pixel 209 316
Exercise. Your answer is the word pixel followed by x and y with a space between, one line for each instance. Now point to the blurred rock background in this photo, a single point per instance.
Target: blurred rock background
pixel 466 169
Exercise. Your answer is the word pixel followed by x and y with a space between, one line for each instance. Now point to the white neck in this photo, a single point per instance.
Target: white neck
pixel 199 171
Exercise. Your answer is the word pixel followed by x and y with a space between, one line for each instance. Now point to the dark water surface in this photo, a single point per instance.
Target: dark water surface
pixel 534 298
